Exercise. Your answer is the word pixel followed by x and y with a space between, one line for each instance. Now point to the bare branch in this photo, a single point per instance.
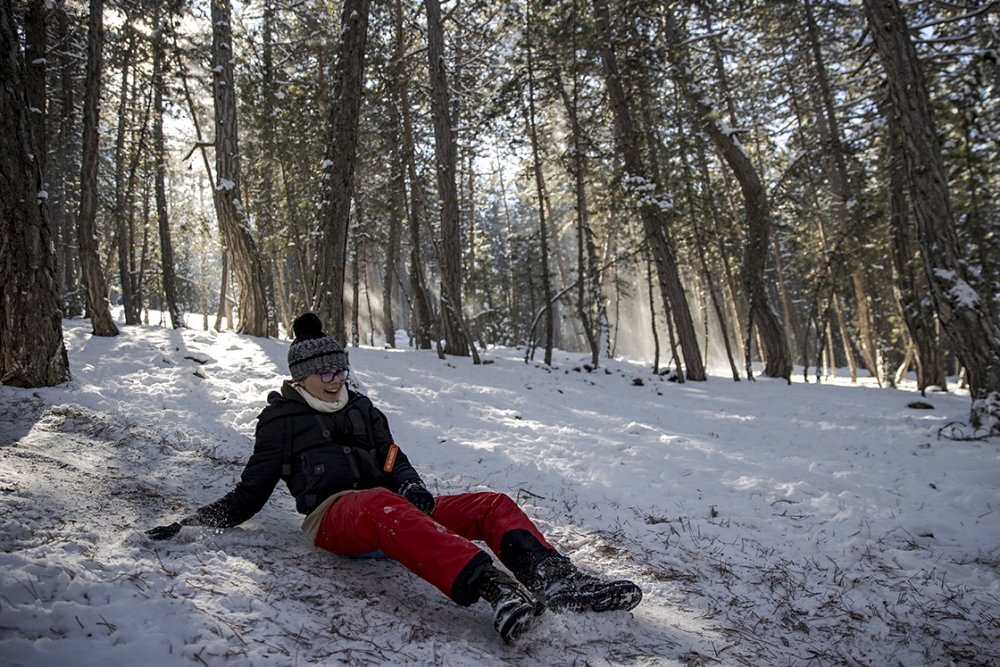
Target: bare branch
pixel 196 146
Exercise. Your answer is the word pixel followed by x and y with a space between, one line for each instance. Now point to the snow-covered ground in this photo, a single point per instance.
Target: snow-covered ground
pixel 768 524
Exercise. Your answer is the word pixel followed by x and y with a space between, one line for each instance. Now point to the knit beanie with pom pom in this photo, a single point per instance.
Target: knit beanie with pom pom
pixel 312 351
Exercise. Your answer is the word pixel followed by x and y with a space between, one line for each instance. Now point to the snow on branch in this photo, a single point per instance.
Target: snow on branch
pixel 954 19
pixel 946 40
pixel 645 190
pixel 960 293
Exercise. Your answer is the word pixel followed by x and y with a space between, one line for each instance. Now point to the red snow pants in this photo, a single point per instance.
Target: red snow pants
pixel 436 548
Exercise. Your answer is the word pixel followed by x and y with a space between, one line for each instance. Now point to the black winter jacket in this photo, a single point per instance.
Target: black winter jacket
pixel 317 455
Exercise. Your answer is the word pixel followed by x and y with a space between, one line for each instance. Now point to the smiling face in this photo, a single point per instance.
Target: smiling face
pixel 324 391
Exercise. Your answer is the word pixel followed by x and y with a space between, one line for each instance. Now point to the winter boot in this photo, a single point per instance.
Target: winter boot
pixel 557 582
pixel 514 608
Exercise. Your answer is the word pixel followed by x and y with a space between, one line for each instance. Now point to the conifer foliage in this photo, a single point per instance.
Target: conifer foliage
pixel 755 187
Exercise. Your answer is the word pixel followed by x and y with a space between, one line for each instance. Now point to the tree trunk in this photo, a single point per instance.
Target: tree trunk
pixel 355 288
pixel 791 322
pixel 32 352
pixel 911 291
pixel 653 149
pixel 450 258
pixel 396 216
pixel 827 256
pixel 93 275
pixel 652 317
pixel 511 283
pixel 841 194
pixel 271 246
pixel 160 157
pixel 144 253
pixel 713 291
pixel 35 42
pixel 586 254
pixel 675 300
pixel 424 318
pixel 552 235
pixel 737 304
pixel 964 318
pixel 338 167
pixel 476 289
pixel 421 301
pixel 62 170
pixel 134 273
pixel 537 162
pixel 223 293
pixel 126 250
pixel 778 362
pixel 225 307
pixel 233 219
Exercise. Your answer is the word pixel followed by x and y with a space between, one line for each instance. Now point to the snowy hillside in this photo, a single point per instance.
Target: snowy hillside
pixel 768 524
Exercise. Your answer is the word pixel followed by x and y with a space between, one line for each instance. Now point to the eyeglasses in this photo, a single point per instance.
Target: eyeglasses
pixel 330 376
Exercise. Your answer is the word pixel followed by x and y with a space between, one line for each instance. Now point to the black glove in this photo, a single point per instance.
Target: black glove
pixel 166 532
pixel 417 494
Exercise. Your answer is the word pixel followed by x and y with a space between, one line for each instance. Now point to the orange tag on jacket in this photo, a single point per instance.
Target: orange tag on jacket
pixel 390 460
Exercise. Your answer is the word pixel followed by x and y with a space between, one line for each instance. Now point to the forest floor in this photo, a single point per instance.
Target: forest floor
pixel 767 523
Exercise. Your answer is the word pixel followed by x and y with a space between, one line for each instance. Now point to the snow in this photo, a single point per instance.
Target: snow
pixel 646 192
pixel 961 293
pixel 767 523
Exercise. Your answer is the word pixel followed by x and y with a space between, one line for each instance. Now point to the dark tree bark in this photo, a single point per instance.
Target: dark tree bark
pixel 778 362
pixel 450 258
pixel 224 308
pixel 423 325
pixel 232 216
pixel 511 283
pixel 829 256
pixel 423 318
pixel 355 337
pixel 841 193
pixel 93 275
pixel 396 216
pixel 130 304
pixel 398 213
pixel 652 318
pixel 61 171
pixel 702 244
pixel 338 167
pixel 35 27
pixel 960 311
pixel 589 292
pixel 162 212
pixel 543 228
pixel 32 352
pixel 268 164
pixel 918 313
pixel 738 307
pixel 661 245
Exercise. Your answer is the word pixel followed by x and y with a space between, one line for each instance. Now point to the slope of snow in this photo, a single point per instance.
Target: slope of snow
pixel 767 523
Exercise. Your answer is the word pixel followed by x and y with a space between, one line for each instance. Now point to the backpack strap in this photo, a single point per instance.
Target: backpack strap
pixel 324 429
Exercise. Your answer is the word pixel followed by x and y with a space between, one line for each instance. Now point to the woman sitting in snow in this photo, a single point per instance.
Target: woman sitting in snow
pixel 361 496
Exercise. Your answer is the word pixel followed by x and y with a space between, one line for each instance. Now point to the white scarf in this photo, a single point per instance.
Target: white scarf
pixel 324 406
